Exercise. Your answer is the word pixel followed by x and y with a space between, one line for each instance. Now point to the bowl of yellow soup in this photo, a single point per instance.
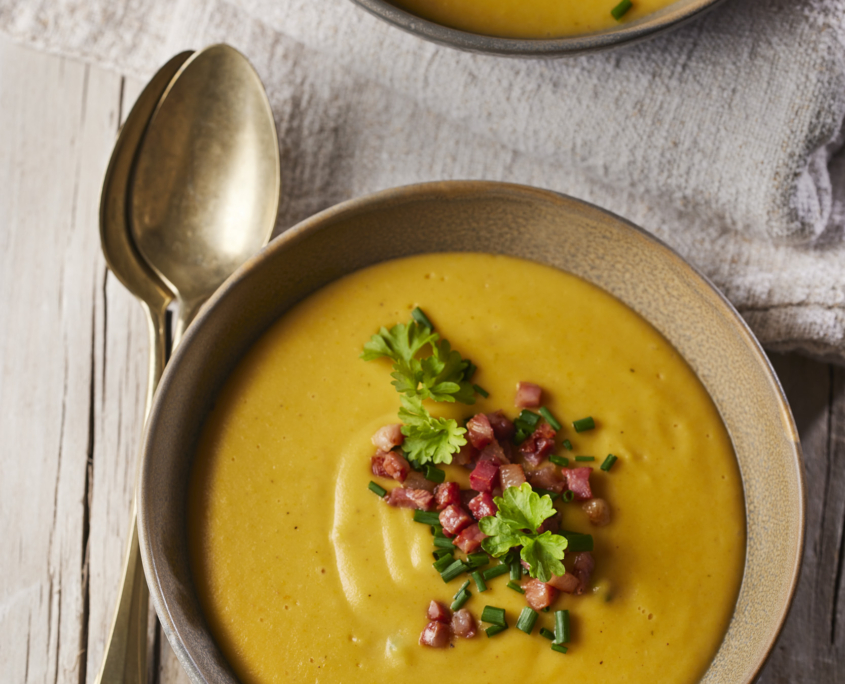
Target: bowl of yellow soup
pixel 270 560
pixel 536 28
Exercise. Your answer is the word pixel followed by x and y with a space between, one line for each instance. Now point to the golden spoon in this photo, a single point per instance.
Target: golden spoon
pixel 205 190
pixel 125 658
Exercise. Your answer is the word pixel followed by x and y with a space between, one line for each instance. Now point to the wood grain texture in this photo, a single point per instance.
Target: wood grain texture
pixel 73 357
pixel 53 149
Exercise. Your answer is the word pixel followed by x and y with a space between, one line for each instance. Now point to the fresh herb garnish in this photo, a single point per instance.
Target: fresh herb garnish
pixel 441 376
pixel 621 9
pixel 608 462
pixel 521 512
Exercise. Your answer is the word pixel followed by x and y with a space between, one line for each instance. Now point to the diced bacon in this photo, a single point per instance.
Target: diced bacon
pixel 377 464
pixel 435 634
pixel 415 480
pixel 547 477
pixel 483 506
pixel 484 477
pixel 538 445
pixel 494 452
pixel 469 540
pixel 446 494
pixel 583 568
pixel 503 428
pixel 467 495
pixel 402 497
pixel 454 519
pixel 551 524
pixel 511 475
pixel 538 594
pixel 567 583
pixel 509 450
pixel 527 395
pixel 479 431
pixel 463 624
pixel 396 466
pixel 466 456
pixel 388 437
pixel 437 612
pixel 597 511
pixel 578 480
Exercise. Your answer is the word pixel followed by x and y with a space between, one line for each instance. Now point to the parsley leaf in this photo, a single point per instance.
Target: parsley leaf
pixel 438 377
pixel 521 512
pixel 523 508
pixel 543 555
pixel 428 439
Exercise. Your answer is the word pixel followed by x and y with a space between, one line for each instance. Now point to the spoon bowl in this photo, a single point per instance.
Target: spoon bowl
pixel 206 184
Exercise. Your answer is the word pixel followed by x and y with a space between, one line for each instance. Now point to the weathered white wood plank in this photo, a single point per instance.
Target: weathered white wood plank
pixel 52 116
pixel 811 647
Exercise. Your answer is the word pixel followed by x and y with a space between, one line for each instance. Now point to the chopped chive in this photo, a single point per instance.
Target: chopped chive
pixel 558 647
pixel 513 585
pixel 608 462
pixel 476 560
pixel 520 435
pixel 562 461
pixel 577 541
pixel 561 627
pixel 495 629
pixel 567 445
pixel 426 518
pixel 373 487
pixel 480 584
pixel 444 562
pixel 545 610
pixel 547 492
pixel 516 569
pixel 621 9
pixel 585 459
pixel 495 571
pixel 494 615
pixel 462 597
pixel 528 418
pixel 549 634
pixel 469 371
pixel 444 543
pixel 453 570
pixel 584 424
pixel 418 315
pixel 433 474
pixel 568 495
pixel 439 553
pixel 527 620
pixel 550 419
pixel 437 531
pixel 483 392
pixel 463 586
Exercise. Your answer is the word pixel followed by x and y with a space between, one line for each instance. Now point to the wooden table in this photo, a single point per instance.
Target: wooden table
pixel 73 354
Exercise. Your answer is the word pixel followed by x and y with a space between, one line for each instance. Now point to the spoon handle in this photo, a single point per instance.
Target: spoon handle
pixel 188 310
pixel 125 659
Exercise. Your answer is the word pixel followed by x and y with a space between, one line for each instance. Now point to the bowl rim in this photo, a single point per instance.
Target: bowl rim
pixel 624 34
pixel 455 188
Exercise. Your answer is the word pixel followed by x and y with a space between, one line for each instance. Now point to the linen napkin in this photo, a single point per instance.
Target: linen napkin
pixel 723 137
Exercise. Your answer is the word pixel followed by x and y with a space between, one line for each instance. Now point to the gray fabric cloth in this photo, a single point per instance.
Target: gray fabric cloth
pixel 723 138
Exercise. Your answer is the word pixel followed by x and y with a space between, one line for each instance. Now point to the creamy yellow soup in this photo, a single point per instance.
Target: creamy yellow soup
pixel 305 575
pixel 528 18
